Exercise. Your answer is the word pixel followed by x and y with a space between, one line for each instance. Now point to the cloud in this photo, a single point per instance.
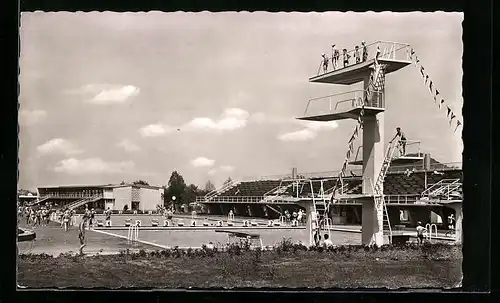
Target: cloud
pixel 227 168
pixel 310 130
pixel 107 93
pixel 212 172
pixel 128 146
pixel 154 130
pixel 58 146
pixel 30 117
pixel 301 135
pixel 74 166
pixel 231 119
pixel 202 162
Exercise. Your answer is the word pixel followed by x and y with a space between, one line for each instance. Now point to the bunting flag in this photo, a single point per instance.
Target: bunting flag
pixel 452 117
pixel 435 94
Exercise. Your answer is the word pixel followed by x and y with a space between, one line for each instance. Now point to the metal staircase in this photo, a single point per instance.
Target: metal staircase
pixel 280 189
pixel 221 190
pixel 442 189
pixel 320 210
pixel 377 189
pixel 84 201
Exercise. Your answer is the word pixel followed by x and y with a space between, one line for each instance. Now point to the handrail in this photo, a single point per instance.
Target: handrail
pixel 399 168
pixel 83 201
pixel 388 51
pixel 358 98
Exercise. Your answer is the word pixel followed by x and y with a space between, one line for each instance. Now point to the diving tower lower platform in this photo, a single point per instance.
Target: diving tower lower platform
pixel 347 105
pixel 349 114
pixel 412 155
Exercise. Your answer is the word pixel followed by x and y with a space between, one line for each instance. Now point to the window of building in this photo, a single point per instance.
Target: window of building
pixel 135 205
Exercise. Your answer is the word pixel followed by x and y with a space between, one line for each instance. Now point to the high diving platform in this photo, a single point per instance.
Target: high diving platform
pixel 357 72
pixel 393 55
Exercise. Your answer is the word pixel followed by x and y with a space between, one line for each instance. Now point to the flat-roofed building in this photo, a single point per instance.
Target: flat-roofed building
pixel 113 196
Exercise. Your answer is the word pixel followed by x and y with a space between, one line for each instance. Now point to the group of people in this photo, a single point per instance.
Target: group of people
pixel 35 216
pixel 295 217
pixel 358 56
pixel 325 242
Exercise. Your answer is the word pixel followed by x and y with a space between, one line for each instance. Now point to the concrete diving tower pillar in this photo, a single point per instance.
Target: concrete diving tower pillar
pixel 348 106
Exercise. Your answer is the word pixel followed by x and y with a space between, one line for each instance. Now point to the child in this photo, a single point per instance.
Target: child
pixel 327 242
pixel 356 54
pixel 420 232
pixel 346 57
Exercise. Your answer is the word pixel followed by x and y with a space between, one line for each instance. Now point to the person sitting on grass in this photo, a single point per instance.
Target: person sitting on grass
pixel 420 232
pixel 81 232
pixel 327 242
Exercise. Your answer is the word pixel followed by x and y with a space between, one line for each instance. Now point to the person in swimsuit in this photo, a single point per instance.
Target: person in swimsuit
pixel 420 232
pixel 335 56
pixel 365 51
pixel 325 63
pixel 356 54
pixel 81 232
pixel 108 217
pixel 66 218
pixel 402 140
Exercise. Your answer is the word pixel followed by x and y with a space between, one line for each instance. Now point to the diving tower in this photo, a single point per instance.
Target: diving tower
pixel 368 105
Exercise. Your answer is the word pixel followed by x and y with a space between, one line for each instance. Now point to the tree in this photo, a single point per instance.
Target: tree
pixel 189 194
pixel 123 183
pixel 228 181
pixel 175 187
pixel 209 186
pixel 140 182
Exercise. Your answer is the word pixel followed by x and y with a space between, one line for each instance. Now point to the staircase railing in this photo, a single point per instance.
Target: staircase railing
pixel 220 190
pixel 440 185
pixel 84 201
pixel 446 188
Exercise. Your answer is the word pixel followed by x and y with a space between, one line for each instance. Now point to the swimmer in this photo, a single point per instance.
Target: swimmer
pixel 81 233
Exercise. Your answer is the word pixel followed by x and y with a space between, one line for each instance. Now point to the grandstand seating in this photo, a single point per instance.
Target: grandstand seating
pixel 396 183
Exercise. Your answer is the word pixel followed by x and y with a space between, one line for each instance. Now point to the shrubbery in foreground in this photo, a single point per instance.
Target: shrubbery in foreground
pixel 286 246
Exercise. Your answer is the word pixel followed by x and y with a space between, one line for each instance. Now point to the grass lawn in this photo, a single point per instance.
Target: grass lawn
pixel 433 266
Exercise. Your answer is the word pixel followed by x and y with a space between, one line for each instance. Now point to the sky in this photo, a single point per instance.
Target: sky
pixel 106 97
